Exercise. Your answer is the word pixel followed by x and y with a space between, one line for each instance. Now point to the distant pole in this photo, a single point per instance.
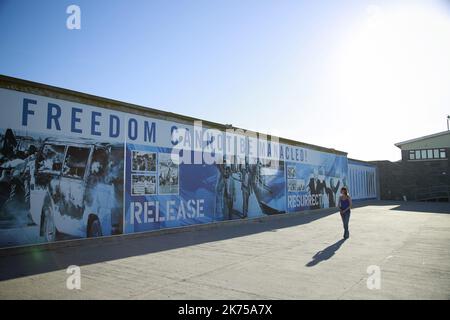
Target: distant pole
pixel 448 120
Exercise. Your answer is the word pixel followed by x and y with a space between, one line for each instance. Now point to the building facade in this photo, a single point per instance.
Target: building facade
pixel 422 174
pixel 362 180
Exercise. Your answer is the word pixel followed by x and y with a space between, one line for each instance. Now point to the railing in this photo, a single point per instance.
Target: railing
pixel 433 193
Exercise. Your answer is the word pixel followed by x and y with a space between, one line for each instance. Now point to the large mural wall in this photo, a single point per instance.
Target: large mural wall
pixel 69 170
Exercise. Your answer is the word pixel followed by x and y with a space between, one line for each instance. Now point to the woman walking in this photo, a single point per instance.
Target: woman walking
pixel 345 204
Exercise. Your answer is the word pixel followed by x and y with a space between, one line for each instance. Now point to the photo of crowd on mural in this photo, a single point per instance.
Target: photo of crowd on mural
pixel 144 161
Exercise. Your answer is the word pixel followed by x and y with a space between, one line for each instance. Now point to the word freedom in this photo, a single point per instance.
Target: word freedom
pixel 96 120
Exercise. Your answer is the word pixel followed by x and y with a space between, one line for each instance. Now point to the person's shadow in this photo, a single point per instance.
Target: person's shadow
pixel 325 254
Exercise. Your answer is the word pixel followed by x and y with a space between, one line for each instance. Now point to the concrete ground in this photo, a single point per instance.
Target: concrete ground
pixel 295 257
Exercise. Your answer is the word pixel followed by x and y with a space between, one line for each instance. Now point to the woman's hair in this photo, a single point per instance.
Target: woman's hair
pixel 344 189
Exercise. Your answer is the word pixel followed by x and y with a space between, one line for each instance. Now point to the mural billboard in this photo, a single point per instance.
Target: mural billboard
pixel 315 184
pixel 70 170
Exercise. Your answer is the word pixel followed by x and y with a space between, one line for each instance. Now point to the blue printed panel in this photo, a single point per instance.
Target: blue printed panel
pixel 317 185
pixel 161 192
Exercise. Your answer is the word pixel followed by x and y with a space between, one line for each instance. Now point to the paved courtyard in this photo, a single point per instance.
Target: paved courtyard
pixel 295 257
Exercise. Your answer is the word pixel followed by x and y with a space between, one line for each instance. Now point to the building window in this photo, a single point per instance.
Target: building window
pixel 436 153
pixel 423 154
pixel 427 154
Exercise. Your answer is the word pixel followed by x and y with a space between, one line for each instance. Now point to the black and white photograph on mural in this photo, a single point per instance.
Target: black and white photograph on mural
pixel 143 161
pixel 17 157
pixel 142 185
pixel 291 173
pixel 59 188
pixel 296 185
pixel 300 183
pixel 168 174
pixel 250 187
pixel 292 185
pixel 332 190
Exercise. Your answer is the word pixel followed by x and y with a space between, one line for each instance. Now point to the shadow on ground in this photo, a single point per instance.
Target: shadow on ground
pixel 411 206
pixel 325 254
pixel 431 207
pixel 42 261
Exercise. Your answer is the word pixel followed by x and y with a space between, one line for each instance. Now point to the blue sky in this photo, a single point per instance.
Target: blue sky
pixel 357 76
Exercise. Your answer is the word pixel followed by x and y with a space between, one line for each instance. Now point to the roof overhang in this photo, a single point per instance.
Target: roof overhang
pixel 399 144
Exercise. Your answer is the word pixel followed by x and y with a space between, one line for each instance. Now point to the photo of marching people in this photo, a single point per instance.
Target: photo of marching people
pixel 143 161
pixel 249 188
pixel 143 185
pixel 168 170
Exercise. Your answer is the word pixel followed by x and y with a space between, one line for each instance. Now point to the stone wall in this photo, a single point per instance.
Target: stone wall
pixel 411 178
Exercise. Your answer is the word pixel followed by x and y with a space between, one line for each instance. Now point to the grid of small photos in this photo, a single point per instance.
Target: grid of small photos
pixel 154 173
pixel 294 184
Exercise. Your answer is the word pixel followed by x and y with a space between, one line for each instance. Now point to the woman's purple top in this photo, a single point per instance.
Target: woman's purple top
pixel 344 204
